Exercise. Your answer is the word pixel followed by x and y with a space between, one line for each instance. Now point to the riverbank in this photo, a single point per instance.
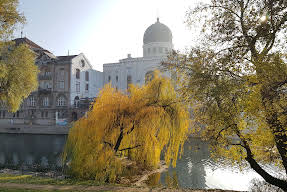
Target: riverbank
pixel 23 187
pixel 106 188
pixel 12 180
pixel 34 129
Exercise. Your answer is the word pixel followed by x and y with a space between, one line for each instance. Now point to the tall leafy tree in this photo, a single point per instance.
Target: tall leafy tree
pixel 141 125
pixel 18 73
pixel 237 81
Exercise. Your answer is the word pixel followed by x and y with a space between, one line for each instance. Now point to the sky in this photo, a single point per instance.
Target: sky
pixel 104 30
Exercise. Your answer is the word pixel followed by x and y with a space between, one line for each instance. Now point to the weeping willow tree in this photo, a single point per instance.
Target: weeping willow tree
pixel 18 72
pixel 141 125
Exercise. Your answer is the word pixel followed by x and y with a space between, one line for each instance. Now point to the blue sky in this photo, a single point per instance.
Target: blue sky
pixel 104 30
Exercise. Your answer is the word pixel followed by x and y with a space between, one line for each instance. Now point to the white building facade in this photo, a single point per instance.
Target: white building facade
pixel 68 84
pixel 157 44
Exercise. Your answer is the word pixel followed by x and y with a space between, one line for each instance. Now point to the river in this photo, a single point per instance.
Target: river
pixel 194 170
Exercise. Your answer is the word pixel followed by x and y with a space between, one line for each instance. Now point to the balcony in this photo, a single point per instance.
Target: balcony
pixel 45 77
pixel 44 90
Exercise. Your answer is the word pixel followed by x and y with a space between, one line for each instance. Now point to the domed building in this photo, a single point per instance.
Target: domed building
pixel 157 44
pixel 157 40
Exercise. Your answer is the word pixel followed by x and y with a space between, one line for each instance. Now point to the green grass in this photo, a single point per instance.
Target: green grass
pixel 36 190
pixel 28 179
pixel 25 190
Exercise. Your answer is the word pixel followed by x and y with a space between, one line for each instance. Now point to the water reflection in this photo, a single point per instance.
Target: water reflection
pixel 31 151
pixel 189 170
pixel 197 170
pixel 194 170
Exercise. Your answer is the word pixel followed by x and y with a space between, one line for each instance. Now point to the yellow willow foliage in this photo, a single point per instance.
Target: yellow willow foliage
pixel 146 122
pixel 18 74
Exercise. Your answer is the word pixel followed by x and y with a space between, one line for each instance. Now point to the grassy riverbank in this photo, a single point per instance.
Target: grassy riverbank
pixel 29 183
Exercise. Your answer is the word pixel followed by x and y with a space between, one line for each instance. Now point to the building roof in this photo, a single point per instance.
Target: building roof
pixel 27 41
pixel 35 47
pixel 66 58
pixel 157 32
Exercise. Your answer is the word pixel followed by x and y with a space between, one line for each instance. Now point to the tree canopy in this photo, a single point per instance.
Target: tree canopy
pixel 18 73
pixel 9 19
pixel 236 81
pixel 141 125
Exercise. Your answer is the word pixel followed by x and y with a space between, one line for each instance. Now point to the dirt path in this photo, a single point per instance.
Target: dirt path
pixel 140 182
pixel 71 187
pixel 99 188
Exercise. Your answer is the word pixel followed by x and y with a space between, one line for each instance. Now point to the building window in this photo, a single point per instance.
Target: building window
pixel 17 114
pixel 44 114
pixel 117 78
pixel 47 73
pixel 61 101
pixel 61 84
pixel 4 114
pixel 76 102
pixel 129 80
pixel 45 85
pixel 46 101
pixel 62 74
pixel 154 50
pixel 78 87
pixel 87 87
pixel 83 62
pixel 32 101
pixel 78 73
pixel 87 76
pixel 148 50
pixel 109 78
pixel 160 50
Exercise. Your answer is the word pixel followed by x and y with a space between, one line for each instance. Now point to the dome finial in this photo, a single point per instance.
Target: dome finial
pixel 157 19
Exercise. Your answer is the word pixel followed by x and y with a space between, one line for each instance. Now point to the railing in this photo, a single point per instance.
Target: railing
pixel 44 90
pixel 45 77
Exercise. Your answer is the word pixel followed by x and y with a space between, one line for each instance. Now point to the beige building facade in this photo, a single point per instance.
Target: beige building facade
pixel 66 87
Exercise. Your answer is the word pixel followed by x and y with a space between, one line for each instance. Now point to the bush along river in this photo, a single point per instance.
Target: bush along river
pixel 195 169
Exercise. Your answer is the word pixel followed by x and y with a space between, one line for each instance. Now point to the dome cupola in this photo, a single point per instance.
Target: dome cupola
pixel 157 40
pixel 157 32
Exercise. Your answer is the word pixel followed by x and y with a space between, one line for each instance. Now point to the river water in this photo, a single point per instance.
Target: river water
pixel 194 170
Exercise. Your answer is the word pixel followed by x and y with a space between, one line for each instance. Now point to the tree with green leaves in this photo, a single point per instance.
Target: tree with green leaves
pixel 18 72
pixel 139 125
pixel 236 81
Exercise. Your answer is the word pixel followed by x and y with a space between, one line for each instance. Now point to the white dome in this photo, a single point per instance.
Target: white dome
pixel 157 32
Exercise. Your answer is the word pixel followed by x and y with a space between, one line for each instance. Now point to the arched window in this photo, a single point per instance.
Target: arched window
pixel 61 101
pixel 76 102
pixel 149 76
pixel 87 76
pixel 78 73
pixel 83 62
pixel 117 78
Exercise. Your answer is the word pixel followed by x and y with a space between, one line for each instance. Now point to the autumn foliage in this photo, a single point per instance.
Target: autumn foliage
pixel 18 72
pixel 236 82
pixel 141 125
